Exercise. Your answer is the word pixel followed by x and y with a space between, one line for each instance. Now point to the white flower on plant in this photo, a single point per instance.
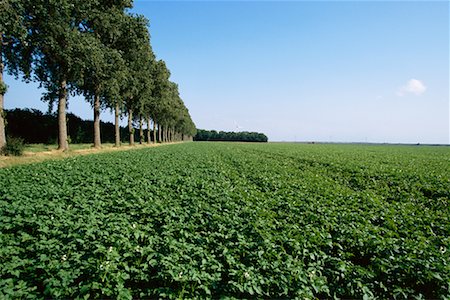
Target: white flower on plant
pixel 104 265
pixel 134 226
pixel 180 275
pixel 246 275
pixel 110 249
pixel 64 257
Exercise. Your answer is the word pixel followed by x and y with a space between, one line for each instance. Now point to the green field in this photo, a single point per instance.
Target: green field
pixel 229 220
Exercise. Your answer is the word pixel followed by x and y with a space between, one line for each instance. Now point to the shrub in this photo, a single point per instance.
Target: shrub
pixel 13 147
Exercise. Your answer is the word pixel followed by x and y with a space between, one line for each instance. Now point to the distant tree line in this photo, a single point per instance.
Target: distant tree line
pixel 33 126
pixel 244 136
pixel 96 49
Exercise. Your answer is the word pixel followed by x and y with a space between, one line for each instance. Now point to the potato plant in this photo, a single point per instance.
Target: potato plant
pixel 212 220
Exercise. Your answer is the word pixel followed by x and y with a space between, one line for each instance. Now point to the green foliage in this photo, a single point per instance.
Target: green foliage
pixel 222 220
pixel 3 88
pixel 13 147
pixel 13 32
pixel 244 136
pixel 35 127
pixel 94 48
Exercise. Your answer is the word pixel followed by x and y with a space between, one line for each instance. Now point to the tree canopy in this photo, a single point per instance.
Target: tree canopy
pixel 97 49
pixel 244 136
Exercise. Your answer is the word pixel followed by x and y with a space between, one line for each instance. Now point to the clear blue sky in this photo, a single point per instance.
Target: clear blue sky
pixel 305 71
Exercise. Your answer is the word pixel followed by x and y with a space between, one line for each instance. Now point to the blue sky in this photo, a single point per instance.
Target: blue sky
pixel 339 71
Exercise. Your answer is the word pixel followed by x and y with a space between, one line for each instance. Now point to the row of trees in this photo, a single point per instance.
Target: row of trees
pixel 34 127
pixel 97 49
pixel 244 136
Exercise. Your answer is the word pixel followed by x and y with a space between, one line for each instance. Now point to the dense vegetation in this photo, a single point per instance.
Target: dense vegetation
pixel 244 136
pixel 96 49
pixel 33 126
pixel 228 219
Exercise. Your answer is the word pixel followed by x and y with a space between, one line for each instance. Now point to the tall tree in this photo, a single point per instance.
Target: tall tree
pixel 108 26
pixel 138 56
pixel 54 38
pixel 99 81
pixel 143 102
pixel 146 101
pixel 105 22
pixel 160 96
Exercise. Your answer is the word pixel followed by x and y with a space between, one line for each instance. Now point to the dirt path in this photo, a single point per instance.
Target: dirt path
pixel 34 157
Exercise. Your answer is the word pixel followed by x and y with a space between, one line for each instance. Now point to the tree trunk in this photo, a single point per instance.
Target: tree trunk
pixel 141 130
pixel 164 133
pixel 116 123
pixel 130 126
pixel 154 131
pixel 159 133
pixel 97 139
pixel 62 122
pixel 149 139
pixel 2 122
pixel 2 117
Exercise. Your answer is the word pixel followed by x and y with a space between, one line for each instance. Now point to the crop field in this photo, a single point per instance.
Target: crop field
pixel 229 220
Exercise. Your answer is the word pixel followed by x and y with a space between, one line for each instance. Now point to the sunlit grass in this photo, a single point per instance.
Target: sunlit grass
pixel 35 148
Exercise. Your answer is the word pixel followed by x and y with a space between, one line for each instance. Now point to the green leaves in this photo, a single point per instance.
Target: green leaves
pixel 94 48
pixel 3 88
pixel 202 220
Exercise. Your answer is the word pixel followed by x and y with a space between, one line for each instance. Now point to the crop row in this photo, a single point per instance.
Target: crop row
pixel 229 220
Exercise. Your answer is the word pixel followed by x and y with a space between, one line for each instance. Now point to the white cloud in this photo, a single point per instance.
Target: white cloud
pixel 413 86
